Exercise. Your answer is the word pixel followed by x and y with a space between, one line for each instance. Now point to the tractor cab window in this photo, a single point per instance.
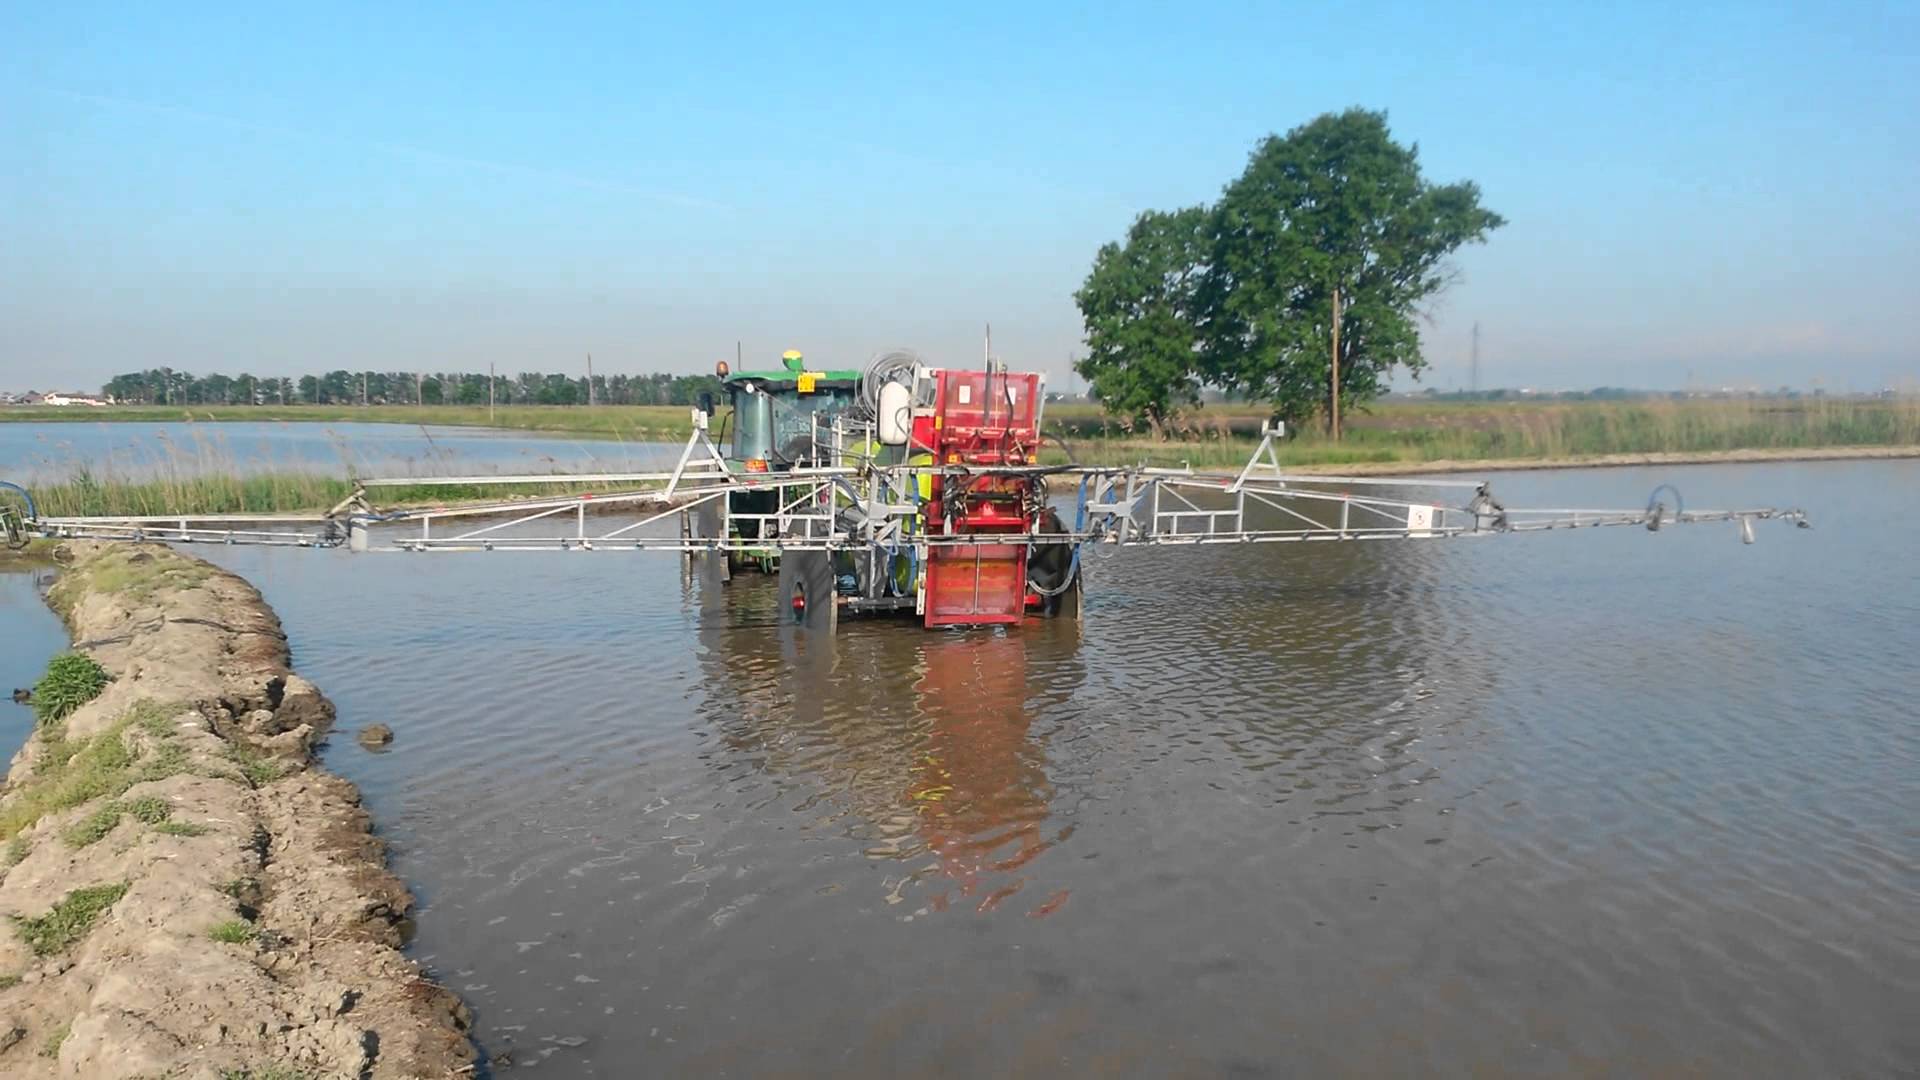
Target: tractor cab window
pixel 752 423
pixel 777 424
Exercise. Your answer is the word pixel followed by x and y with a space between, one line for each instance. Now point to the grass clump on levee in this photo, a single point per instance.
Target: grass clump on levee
pixel 72 680
pixel 258 768
pixel 181 828
pixel 95 826
pixel 69 920
pixel 71 772
pixel 132 573
pixel 55 1040
pixel 266 1072
pixel 233 932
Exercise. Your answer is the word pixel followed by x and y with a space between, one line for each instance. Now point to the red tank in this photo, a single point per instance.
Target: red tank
pixel 986 420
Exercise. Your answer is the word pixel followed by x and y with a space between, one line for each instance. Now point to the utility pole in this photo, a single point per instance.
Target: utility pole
pixel 489 392
pixel 1474 383
pixel 363 389
pixel 589 378
pixel 1333 427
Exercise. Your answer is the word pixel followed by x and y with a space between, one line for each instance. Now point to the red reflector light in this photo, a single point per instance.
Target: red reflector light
pixel 756 464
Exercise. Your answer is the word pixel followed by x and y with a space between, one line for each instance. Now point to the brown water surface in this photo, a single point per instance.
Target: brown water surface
pixel 1601 802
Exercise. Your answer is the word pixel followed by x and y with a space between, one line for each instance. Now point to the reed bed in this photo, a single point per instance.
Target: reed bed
pixel 208 478
pixel 637 423
pixel 1422 432
pixel 205 474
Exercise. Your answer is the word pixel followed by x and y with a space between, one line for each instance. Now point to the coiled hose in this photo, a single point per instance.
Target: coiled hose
pixel 12 523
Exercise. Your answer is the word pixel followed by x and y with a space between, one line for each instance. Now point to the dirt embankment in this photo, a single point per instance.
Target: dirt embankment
pixel 185 893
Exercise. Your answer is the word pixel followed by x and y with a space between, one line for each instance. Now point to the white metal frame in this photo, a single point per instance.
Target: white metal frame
pixel 868 506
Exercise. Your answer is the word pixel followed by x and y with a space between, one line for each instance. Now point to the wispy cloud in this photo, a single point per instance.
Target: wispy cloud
pixel 556 177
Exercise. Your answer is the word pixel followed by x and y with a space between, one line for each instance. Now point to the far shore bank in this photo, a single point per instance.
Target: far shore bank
pixel 1614 461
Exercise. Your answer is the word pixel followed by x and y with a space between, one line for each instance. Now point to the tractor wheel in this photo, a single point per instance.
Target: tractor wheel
pixel 708 521
pixel 1054 573
pixel 807 590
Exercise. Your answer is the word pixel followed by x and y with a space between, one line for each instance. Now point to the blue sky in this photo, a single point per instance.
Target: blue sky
pixel 1727 193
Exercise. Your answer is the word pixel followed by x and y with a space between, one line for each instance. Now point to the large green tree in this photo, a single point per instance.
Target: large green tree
pixel 1139 305
pixel 1334 216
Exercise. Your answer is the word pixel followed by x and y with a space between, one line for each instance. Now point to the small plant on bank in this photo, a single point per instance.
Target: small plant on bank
pixel 72 680
pixel 167 760
pixel 70 919
pixel 69 773
pixel 233 932
pixel 95 826
pixel 151 809
pixel 258 768
pixel 51 1048
pixel 181 828
pixel 16 851
pixel 266 1072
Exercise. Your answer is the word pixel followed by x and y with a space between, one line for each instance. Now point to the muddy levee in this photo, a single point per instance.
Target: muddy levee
pixel 185 891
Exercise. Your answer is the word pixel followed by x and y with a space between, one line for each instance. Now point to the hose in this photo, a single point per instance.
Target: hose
pixel 892 365
pixel 11 521
pixel 1655 508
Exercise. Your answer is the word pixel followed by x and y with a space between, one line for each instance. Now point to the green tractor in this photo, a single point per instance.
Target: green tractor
pixel 779 420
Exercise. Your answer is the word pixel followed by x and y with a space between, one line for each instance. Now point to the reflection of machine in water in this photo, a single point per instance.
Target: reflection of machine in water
pixel 921 748
pixel 979 794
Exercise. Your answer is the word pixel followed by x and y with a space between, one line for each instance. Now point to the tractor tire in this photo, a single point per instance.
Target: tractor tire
pixel 1053 572
pixel 709 522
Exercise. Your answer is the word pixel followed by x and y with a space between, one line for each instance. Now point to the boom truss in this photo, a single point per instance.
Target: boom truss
pixel 865 506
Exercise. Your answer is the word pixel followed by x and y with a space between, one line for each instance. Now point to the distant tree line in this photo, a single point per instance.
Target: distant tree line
pixel 165 386
pixel 1326 248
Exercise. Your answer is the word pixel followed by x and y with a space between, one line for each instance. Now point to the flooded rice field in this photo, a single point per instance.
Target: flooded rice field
pixel 1600 802
pixel 139 450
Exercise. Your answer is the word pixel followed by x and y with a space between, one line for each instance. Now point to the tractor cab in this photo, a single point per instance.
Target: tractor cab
pixel 784 418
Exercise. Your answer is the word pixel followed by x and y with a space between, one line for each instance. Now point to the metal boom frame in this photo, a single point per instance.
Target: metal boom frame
pixel 868 506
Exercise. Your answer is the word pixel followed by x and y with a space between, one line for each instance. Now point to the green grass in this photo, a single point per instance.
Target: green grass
pixel 1482 431
pixel 233 932
pixel 150 809
pixel 181 828
pixel 95 826
pixel 69 920
pixel 55 1040
pixel 132 573
pixel 258 768
pixel 16 851
pixel 8 982
pixel 72 680
pixel 71 772
pixel 86 495
pixel 266 1072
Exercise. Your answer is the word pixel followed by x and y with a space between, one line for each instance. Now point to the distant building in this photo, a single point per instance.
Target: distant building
pixel 58 398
